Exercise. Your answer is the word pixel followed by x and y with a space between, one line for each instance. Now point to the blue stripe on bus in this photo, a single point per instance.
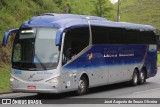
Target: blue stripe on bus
pixel 130 54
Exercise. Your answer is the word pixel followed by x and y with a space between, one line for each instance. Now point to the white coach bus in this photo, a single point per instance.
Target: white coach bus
pixel 55 53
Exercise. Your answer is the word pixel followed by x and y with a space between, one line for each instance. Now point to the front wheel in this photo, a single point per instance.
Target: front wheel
pixel 135 78
pixel 82 86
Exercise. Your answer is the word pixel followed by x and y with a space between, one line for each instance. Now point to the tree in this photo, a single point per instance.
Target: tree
pixel 76 6
pixel 64 5
pixel 103 8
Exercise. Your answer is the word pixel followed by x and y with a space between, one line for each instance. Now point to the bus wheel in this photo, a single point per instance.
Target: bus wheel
pixel 82 86
pixel 135 79
pixel 142 78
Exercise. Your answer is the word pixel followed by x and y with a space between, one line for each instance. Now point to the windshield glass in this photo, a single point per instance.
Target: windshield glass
pixel 35 49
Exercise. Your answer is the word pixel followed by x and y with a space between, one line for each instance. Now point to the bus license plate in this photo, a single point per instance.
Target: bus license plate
pixel 31 87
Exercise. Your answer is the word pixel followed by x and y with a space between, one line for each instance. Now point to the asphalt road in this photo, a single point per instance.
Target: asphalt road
pixel 151 89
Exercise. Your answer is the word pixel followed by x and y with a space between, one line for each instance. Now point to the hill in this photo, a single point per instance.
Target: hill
pixel 141 11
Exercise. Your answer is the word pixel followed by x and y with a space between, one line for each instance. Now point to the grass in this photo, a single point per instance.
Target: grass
pixel 141 11
pixel 158 63
pixel 5 79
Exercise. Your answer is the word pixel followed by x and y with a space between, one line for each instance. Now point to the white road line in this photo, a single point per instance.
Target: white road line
pixel 146 91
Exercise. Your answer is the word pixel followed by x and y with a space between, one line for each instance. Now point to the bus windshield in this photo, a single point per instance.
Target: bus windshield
pixel 35 49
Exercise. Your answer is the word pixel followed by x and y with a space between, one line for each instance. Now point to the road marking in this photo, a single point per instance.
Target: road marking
pixel 146 91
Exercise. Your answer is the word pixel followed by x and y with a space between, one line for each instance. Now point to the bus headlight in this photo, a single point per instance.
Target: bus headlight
pixel 54 80
pixel 12 79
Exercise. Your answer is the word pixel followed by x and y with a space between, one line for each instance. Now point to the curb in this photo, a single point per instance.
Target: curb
pixel 16 95
pixel 6 92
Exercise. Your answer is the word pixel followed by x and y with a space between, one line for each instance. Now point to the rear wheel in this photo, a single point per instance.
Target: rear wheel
pixel 82 86
pixel 135 78
pixel 142 78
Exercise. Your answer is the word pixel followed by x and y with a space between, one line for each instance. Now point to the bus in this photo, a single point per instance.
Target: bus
pixel 55 53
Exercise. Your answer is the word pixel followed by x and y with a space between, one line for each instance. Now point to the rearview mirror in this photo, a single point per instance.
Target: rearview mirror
pixel 7 34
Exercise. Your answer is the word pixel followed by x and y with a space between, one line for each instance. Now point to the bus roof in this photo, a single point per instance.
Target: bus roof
pixel 68 21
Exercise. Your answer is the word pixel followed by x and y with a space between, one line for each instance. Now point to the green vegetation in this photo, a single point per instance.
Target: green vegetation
pixel 141 11
pixel 102 8
pixel 5 79
pixel 158 59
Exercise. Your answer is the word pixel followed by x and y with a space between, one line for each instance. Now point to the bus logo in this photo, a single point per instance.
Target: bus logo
pixel 90 56
pixel 31 76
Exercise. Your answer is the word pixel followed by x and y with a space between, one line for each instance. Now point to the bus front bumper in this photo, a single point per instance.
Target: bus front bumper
pixel 35 87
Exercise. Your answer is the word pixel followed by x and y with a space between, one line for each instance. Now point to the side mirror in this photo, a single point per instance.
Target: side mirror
pixel 7 34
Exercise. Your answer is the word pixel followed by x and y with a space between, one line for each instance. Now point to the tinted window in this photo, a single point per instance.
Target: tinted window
pixel 75 41
pixel 108 35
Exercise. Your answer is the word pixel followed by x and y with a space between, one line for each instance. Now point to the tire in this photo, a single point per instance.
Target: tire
pixel 82 86
pixel 142 78
pixel 135 78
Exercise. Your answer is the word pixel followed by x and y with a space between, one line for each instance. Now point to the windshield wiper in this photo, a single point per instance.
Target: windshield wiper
pixel 44 67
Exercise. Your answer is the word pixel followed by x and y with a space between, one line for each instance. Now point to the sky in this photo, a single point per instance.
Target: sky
pixel 113 1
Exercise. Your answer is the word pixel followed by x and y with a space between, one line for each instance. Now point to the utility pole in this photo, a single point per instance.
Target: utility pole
pixel 118 11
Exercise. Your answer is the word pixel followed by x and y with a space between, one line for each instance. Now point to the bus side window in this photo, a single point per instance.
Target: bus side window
pixel 75 41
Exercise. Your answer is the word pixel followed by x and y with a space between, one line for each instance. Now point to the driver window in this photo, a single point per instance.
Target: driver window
pixel 75 41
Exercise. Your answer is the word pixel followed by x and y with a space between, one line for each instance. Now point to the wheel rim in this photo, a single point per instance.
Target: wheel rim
pixel 135 78
pixel 81 86
pixel 142 77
